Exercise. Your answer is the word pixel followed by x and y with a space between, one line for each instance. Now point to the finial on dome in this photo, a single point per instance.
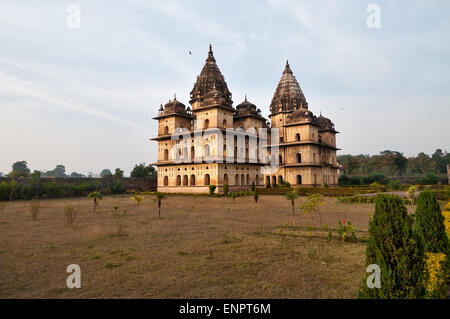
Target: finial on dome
pixel 245 97
pixel 210 54
pixel 174 96
pixel 287 63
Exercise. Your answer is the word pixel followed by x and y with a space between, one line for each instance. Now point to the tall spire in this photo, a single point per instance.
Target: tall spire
pixel 288 95
pixel 210 55
pixel 287 69
pixel 210 79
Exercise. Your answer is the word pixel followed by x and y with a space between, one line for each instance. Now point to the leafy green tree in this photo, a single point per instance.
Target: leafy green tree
pixel 140 171
pixel 349 163
pixel 143 171
pixel 292 196
pixel 58 172
pixel 429 222
pixel 20 169
pixel 159 198
pixel 397 249
pixel 118 173
pixel 105 173
pixel 438 158
pixel 96 195
pixel 76 175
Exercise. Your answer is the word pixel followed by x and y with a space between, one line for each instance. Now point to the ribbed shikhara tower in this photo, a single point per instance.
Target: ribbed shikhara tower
pixel 307 143
pixel 212 109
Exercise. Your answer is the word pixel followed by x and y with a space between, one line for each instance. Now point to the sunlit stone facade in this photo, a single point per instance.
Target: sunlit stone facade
pixel 193 151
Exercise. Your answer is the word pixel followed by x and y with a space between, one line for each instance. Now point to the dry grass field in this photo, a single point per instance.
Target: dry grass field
pixel 200 248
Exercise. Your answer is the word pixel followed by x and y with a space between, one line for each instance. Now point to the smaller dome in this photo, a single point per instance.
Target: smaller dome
pixel 325 122
pixel 301 114
pixel 174 106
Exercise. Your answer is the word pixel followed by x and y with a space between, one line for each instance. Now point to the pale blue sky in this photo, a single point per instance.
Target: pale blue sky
pixel 85 97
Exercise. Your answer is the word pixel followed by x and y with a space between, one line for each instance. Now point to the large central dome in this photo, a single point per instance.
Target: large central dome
pixel 210 80
pixel 288 95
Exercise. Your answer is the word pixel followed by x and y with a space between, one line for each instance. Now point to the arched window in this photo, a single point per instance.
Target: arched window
pixel 225 178
pixel 280 179
pixel 236 180
pixel 192 180
pixel 206 124
pixel 268 180
pixel 224 124
pixel 207 180
pixel 166 130
pixel 192 153
pixel 281 159
pixel 297 137
pixel 257 179
pixel 166 155
pixel 248 179
pixel 185 153
pixel 242 179
pixel 206 152
pixel 166 181
pixel 178 180
pixel 299 158
pixel 314 157
pixel 185 180
pixel 274 180
pixel 299 179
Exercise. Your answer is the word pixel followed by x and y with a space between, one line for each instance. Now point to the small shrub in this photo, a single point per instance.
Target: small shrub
pixel 71 213
pixel 225 189
pixel 234 195
pixel 117 187
pixel 96 195
pixel 255 197
pixel 212 189
pixel 137 198
pixel 394 184
pixel 346 231
pixel 253 186
pixel 411 193
pixel 34 208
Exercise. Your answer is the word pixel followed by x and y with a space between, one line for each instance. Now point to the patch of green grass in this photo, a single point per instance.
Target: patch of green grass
pixel 113 265
pixel 312 253
pixel 97 256
pixel 181 253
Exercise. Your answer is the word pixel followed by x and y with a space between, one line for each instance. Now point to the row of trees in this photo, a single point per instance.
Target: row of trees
pixel 20 169
pixel 393 163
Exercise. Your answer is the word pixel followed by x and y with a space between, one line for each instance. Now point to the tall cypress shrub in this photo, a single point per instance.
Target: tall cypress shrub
pixel 397 249
pixel 429 223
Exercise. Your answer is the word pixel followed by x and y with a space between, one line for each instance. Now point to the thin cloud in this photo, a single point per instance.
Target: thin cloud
pixel 14 86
